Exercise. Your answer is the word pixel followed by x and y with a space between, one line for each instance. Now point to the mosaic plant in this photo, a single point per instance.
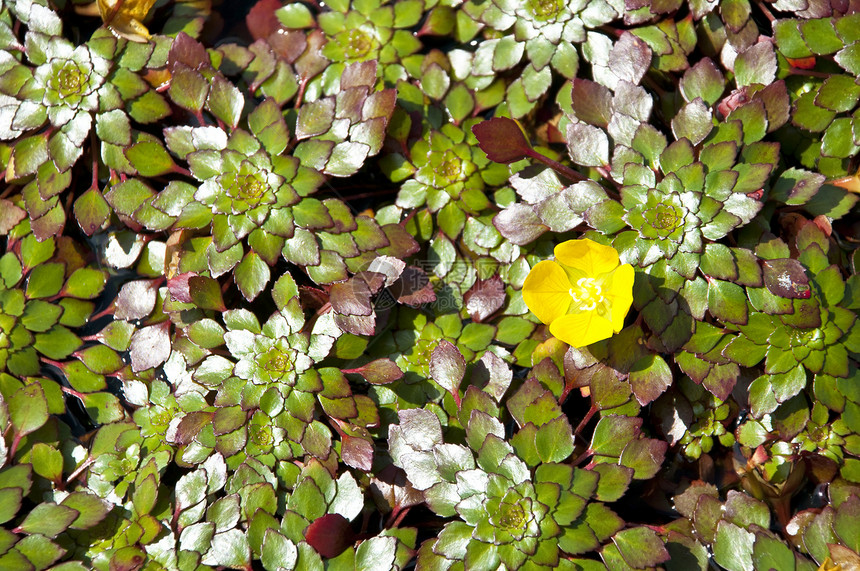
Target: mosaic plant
pixel 429 284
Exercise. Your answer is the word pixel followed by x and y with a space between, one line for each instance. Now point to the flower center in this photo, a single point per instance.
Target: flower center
pixel 587 294
pixel 544 9
pixel 450 168
pixel 511 516
pixel 69 80
pixel 250 187
pixel 277 362
pixel 262 436
pixel 811 338
pixel 357 44
pixel 665 218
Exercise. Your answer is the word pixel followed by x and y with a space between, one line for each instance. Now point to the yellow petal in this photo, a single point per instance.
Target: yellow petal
pixel 124 17
pixel 546 291
pixel 587 256
pixel 581 329
pixel 619 294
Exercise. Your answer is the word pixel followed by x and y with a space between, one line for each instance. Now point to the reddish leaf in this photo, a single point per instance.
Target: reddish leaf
pixel 136 299
pixel 206 293
pixel 592 102
pixel 391 486
pixel 188 51
pixel 330 535
pixel 413 288
pixel 351 297
pixel 502 139
pixel 356 452
pixel 447 367
pixel 10 216
pixel 485 298
pixel 389 266
pixel 362 74
pixel 786 278
pixel 190 425
pixel 179 288
pixel 150 346
pixel 378 372
pixel 261 19
pixel 289 44
pixel 356 324
pixel 519 224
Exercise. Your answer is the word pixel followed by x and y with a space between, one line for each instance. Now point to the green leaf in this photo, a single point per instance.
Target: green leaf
pixel 91 509
pixel 649 378
pixel 640 547
pixel 278 551
pixel 47 461
pixel 49 519
pixel 85 283
pixel 612 434
pixel 733 547
pixel 91 211
pixel 727 301
pixel 295 16
pixel 554 440
pixel 58 343
pixel 252 274
pixel 28 409
pixel 225 101
pixel 150 158
pixel 46 280
pixel 33 253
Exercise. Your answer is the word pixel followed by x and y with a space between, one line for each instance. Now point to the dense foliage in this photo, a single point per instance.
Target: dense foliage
pixel 265 280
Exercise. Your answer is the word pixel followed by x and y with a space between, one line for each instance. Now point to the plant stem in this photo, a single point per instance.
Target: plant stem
pixel 564 171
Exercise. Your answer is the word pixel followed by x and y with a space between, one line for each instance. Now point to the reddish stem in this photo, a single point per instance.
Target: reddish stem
pixel 564 171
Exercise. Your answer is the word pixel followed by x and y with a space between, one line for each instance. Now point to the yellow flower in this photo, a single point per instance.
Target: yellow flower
pixel 584 295
pixel 828 565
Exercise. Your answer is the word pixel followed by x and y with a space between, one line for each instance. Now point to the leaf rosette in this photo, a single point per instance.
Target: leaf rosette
pixel 447 168
pixel 275 353
pixel 665 218
pixel 242 184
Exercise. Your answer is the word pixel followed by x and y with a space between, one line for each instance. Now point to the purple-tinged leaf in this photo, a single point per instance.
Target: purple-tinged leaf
pixel 261 19
pixel 649 378
pixel 630 57
pixel 413 288
pixel 351 297
pixel 391 486
pixel 519 224
pixel 356 452
pixel 179 288
pixel 493 375
pixel 206 293
pixel 188 51
pixel 378 372
pixel 502 139
pixel 136 299
pixel 10 216
pixel 588 145
pixel 150 346
pixel 356 324
pixel 447 367
pixel 786 278
pixel 190 426
pixel 591 102
pixel 330 535
pixel 641 547
pixel 485 298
